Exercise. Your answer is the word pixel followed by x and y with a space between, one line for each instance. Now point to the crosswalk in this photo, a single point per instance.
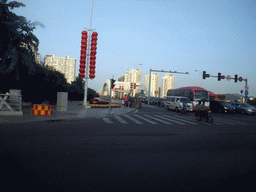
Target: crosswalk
pixel 171 119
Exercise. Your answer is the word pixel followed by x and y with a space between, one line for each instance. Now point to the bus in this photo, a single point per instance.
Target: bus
pixel 194 93
pixel 220 97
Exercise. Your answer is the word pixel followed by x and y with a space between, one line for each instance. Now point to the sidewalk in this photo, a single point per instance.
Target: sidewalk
pixel 75 111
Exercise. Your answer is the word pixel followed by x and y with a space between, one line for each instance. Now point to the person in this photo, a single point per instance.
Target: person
pixel 203 111
pixel 184 106
pixel 198 105
pixel 125 101
pixel 130 100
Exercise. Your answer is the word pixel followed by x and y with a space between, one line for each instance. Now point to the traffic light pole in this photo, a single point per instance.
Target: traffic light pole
pixel 150 70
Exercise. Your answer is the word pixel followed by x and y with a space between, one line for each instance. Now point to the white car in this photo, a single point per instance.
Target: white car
pixel 176 103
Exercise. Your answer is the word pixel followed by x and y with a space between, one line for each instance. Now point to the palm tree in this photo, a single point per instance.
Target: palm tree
pixel 18 44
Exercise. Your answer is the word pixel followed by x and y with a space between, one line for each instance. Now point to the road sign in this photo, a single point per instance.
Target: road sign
pixel 246 98
pixel 241 91
pixel 246 92
pixel 240 79
pixel 246 87
pixel 228 77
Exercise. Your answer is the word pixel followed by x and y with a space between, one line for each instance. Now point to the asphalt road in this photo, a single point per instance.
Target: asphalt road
pixel 91 155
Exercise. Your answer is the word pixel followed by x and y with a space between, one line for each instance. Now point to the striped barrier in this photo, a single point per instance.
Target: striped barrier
pixel 41 110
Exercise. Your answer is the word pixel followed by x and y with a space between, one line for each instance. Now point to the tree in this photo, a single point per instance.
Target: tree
pixel 18 44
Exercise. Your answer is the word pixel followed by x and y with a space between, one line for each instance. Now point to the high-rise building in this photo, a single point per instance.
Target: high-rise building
pixel 167 83
pixel 133 76
pixel 65 65
pixel 154 86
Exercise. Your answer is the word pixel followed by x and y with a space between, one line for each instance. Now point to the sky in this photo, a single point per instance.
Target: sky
pixel 216 36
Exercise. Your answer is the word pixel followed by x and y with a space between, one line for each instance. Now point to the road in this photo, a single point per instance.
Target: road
pixel 151 150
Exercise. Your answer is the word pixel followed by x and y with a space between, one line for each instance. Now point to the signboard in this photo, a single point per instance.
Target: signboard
pixel 246 98
pixel 241 91
pixel 246 87
pixel 228 77
pixel 240 79
pixel 246 92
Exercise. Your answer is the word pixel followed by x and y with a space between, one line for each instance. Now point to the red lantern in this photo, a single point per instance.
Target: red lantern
pixel 82 65
pixel 82 70
pixel 92 54
pixel 83 54
pixel 92 76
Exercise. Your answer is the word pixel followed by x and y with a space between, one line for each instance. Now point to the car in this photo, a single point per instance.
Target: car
pixel 221 107
pixel 144 99
pixel 244 108
pixel 176 103
pixel 151 102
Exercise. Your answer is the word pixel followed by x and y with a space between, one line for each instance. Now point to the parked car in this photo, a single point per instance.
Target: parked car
pixel 176 103
pixel 244 108
pixel 221 106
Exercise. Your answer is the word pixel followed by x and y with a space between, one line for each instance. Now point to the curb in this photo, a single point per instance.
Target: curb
pixel 58 119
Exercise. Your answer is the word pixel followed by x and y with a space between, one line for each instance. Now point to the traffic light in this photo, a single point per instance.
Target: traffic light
pixel 204 74
pixel 219 76
pixel 134 86
pixel 112 83
pixel 236 78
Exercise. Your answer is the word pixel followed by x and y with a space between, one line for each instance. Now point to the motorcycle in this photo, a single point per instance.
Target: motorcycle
pixel 200 116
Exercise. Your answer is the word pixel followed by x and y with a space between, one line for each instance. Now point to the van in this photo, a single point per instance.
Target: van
pixel 176 103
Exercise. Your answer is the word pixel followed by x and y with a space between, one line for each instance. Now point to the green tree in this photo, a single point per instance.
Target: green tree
pixel 18 44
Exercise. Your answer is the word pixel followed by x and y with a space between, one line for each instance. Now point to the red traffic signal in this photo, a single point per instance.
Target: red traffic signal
pixel 131 85
pixel 134 86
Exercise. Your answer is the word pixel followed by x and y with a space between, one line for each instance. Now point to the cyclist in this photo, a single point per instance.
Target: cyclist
pixel 198 106
pixel 203 111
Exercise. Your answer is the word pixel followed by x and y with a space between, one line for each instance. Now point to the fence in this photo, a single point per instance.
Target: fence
pixel 10 104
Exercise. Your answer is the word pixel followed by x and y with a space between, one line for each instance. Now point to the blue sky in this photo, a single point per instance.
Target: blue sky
pixel 178 35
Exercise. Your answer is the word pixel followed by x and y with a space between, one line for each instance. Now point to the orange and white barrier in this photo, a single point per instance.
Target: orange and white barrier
pixel 41 110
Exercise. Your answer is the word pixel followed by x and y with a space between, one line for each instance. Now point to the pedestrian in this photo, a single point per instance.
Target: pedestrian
pixel 198 106
pixel 125 101
pixel 184 105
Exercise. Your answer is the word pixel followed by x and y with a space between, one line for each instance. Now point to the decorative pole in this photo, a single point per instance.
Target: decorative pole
pixel 88 61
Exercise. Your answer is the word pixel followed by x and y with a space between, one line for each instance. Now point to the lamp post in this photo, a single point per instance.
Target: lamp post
pixel 88 60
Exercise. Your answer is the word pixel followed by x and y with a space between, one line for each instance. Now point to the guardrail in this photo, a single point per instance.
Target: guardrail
pixel 10 104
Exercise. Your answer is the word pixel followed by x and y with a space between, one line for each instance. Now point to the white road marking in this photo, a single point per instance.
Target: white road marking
pixel 168 119
pixel 135 120
pixel 120 120
pixel 172 117
pixel 145 119
pixel 162 121
pixel 107 120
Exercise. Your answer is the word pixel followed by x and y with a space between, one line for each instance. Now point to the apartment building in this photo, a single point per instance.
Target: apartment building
pixel 154 86
pixel 65 65
pixel 167 83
